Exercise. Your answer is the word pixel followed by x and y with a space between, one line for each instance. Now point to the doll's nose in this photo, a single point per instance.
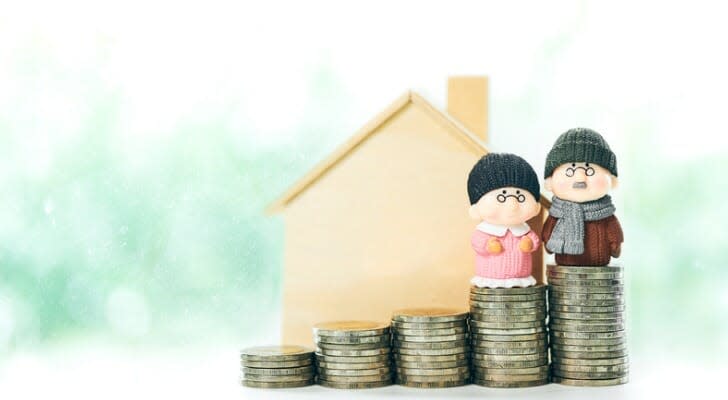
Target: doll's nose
pixel 580 174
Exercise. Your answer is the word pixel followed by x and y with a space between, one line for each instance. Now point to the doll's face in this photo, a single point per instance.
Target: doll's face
pixel 505 206
pixel 580 182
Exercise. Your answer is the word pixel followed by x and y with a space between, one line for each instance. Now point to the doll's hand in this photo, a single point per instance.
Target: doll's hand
pixel 494 246
pixel 525 245
pixel 616 249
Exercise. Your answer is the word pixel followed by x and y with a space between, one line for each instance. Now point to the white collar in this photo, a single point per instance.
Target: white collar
pixel 500 230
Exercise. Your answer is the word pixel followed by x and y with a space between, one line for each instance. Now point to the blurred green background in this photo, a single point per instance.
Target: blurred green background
pixel 140 144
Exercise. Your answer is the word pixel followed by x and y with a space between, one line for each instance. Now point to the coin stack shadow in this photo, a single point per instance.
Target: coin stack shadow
pixel 508 336
pixel 353 354
pixel 586 324
pixel 430 347
pixel 277 367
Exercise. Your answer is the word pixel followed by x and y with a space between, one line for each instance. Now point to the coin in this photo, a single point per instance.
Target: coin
pixel 433 314
pixel 347 340
pixel 521 331
pixel 589 375
pixel 578 269
pixel 586 283
pixel 354 372
pixel 360 346
pixel 591 368
pixel 590 382
pixel 561 354
pixel 324 375
pixel 513 318
pixel 276 353
pixel 278 371
pixel 430 339
pixel 559 320
pixel 542 355
pixel 401 378
pixel 506 351
pixel 587 342
pixel 277 364
pixel 433 371
pixel 511 345
pixel 517 384
pixel 350 328
pixel 507 298
pixel 584 303
pixel 354 352
pixel 506 305
pixel 431 352
pixel 510 378
pixel 277 385
pixel 443 358
pixel 587 335
pixel 583 309
pixel 352 360
pixel 509 325
pixel 606 348
pixel 586 327
pixel 433 385
pixel 429 325
pixel 508 338
pixel 512 371
pixel 354 385
pixel 353 366
pixel 508 291
pixel 610 290
pixel 593 362
pixel 430 365
pixel 578 275
pixel 429 345
pixel 277 378
pixel 431 332
pixel 511 364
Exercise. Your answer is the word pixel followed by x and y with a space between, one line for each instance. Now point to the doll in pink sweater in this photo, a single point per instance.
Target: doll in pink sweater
pixel 504 193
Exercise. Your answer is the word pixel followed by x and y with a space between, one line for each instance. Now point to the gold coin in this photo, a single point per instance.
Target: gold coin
pixel 433 314
pixel 350 328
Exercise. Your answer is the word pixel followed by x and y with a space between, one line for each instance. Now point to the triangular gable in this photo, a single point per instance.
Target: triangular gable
pixel 366 131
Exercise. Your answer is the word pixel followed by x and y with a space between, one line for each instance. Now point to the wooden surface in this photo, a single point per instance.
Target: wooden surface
pixel 467 101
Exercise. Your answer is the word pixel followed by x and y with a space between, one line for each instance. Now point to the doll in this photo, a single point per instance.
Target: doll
pixel 581 228
pixel 504 193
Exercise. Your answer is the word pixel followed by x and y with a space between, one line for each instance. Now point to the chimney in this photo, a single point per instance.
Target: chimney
pixel 467 101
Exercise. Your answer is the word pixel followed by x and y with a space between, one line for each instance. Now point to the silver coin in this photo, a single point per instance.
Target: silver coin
pixel 508 338
pixel 507 298
pixel 591 362
pixel 512 318
pixel 278 371
pixel 515 351
pixel 587 335
pixel 277 364
pixel 560 354
pixel 430 352
pixel 586 269
pixel 591 320
pixel 585 303
pixel 277 378
pixel 591 368
pixel 354 352
pixel 429 325
pixel 432 314
pixel 606 348
pixel 355 379
pixel 589 375
pixel 276 353
pixel 508 291
pixel 433 385
pixel 586 283
pixel 461 370
pixel 541 369
pixel 518 384
pixel 509 325
pixel 477 305
pixel 361 346
pixel 350 328
pixel 584 309
pixel 405 358
pixel 590 382
pixel 352 339
pixel 430 365
pixel 541 356
pixel 429 345
pixel 353 360
pixel 430 339
pixel 354 366
pixel 612 290
pixel 401 378
pixel 277 385
pixel 354 372
pixel 510 364
pixel 510 345
pixel 586 328
pixel 431 332
pixel 582 276
pixel 511 378
pixel 354 385
pixel 588 342
pixel 521 331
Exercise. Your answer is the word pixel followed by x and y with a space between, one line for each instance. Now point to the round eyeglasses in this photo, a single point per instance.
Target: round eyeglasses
pixel 503 197
pixel 589 171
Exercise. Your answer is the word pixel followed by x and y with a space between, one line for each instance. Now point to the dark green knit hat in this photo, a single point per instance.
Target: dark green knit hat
pixel 498 170
pixel 580 145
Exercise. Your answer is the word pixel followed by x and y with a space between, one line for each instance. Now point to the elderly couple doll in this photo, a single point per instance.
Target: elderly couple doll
pixel 581 228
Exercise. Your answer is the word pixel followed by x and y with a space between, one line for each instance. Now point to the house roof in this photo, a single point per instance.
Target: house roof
pixel 365 132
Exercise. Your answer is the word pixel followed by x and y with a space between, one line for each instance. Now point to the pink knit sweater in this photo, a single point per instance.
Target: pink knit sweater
pixel 511 262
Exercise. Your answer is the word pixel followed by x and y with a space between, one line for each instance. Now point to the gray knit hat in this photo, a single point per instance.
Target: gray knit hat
pixel 497 170
pixel 580 145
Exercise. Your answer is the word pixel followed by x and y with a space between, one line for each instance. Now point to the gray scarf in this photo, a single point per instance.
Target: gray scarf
pixel 568 234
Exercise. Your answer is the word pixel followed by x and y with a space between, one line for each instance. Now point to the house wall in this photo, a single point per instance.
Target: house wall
pixel 385 228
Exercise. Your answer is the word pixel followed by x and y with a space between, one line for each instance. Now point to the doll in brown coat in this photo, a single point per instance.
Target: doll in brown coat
pixel 581 228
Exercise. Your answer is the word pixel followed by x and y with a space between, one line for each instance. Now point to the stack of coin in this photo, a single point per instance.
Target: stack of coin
pixel 586 321
pixel 430 347
pixel 277 367
pixel 353 354
pixel 508 336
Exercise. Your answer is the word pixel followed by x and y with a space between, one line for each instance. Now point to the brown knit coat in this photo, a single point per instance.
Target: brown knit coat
pixel 602 241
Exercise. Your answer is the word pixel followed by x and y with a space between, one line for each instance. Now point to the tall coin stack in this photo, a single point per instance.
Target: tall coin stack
pixel 353 354
pixel 430 347
pixel 508 336
pixel 277 367
pixel 587 327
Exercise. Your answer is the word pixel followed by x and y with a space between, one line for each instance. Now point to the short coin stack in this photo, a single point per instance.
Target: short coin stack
pixel 508 336
pixel 430 347
pixel 277 367
pixel 353 354
pixel 586 319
